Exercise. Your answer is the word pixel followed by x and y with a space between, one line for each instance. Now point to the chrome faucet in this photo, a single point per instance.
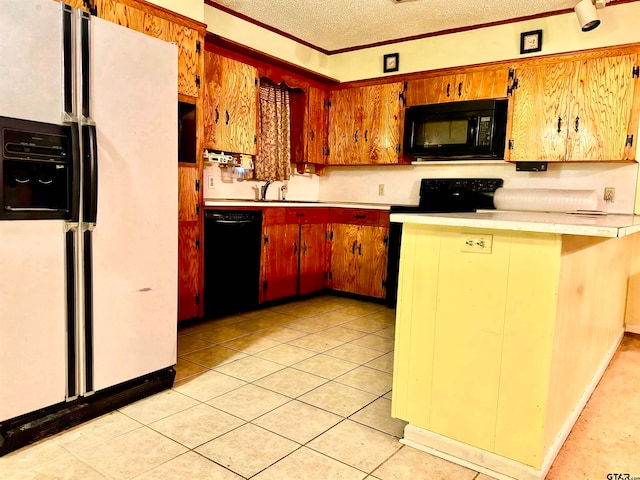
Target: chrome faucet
pixel 283 192
pixel 263 190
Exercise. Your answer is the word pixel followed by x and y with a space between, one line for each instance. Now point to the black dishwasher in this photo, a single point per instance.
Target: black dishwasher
pixel 231 261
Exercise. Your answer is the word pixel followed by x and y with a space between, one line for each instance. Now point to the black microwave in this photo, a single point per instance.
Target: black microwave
pixel 473 129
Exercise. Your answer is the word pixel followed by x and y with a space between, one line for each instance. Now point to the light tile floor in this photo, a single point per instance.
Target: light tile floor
pixel 296 391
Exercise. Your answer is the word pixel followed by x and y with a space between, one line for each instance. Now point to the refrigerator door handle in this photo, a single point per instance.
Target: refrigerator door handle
pixel 85 41
pixel 72 317
pixel 87 241
pixel 90 174
pixel 68 71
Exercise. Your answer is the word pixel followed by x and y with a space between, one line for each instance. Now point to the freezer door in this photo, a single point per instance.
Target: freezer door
pixel 33 333
pixel 134 244
pixel 32 70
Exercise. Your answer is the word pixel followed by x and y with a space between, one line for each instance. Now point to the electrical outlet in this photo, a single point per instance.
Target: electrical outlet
pixel 381 190
pixel 476 243
pixel 212 183
pixel 609 194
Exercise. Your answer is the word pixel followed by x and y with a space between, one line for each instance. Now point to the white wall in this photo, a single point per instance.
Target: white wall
pixel 257 38
pixel 560 33
pixel 299 187
pixel 402 183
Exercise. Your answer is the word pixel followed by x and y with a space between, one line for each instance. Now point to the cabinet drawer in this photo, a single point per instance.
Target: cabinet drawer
pixel 307 215
pixel 359 216
pixel 274 216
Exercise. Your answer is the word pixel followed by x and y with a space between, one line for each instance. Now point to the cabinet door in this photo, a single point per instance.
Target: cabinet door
pixel 344 271
pixel 372 256
pixel 470 85
pixel 188 208
pixel 345 119
pixel 601 110
pixel 116 12
pixel 241 99
pixel 213 98
pixel 188 58
pixel 230 105
pixel 380 130
pixel 540 112
pixel 317 132
pixel 281 246
pixel 188 270
pixel 313 256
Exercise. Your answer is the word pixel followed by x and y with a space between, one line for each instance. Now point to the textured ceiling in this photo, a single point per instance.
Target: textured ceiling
pixel 334 25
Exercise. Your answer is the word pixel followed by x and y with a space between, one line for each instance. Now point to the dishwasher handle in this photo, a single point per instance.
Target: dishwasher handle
pixel 231 222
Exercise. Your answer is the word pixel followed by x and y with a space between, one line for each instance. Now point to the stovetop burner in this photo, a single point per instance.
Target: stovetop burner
pixel 453 195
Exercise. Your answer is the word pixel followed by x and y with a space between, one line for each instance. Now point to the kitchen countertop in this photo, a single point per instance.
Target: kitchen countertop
pixel 543 222
pixel 290 203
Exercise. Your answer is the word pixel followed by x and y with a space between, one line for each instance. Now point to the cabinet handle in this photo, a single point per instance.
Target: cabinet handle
pixel 559 124
pixel 355 136
pixel 365 135
pixel 361 216
pixel 360 249
pixel 313 135
pixel 353 248
pixel 304 248
pixel 226 112
pixel 298 214
pixel 448 89
pixel 217 115
pixel 460 89
pixel 295 248
pixel 577 124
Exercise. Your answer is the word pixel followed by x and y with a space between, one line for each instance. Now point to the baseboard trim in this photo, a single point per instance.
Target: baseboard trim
pixel 494 465
pixel 468 456
pixel 632 329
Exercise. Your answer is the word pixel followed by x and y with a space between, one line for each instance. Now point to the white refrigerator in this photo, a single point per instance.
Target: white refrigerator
pixel 88 303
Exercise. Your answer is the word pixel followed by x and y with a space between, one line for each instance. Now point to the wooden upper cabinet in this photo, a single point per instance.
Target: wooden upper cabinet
pixel 142 19
pixel 190 51
pixel 539 129
pixel 576 111
pixel 231 98
pixel 471 85
pixel 601 113
pixel 345 115
pixel 318 126
pixel 364 125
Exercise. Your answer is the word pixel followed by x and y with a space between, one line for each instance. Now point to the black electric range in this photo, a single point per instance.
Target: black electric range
pixel 438 195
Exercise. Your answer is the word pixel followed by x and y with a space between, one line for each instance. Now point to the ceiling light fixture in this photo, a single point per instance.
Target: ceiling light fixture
pixel 587 15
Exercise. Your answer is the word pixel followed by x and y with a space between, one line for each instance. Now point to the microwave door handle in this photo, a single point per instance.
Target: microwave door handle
pixel 472 139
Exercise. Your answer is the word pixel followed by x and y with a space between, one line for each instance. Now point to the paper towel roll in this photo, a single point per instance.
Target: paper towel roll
pixel 545 199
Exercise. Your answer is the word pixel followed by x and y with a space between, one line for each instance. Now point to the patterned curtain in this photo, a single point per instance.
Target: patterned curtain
pixel 274 159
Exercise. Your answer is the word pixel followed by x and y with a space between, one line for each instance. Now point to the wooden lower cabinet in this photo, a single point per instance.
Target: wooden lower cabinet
pixel 313 258
pixel 294 252
pixel 188 270
pixel 359 259
pixel 280 247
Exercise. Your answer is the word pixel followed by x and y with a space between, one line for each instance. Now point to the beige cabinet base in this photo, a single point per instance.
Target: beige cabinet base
pixel 494 465
pixel 499 351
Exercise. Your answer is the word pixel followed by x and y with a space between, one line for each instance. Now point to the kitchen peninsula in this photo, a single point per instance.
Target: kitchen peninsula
pixel 504 326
